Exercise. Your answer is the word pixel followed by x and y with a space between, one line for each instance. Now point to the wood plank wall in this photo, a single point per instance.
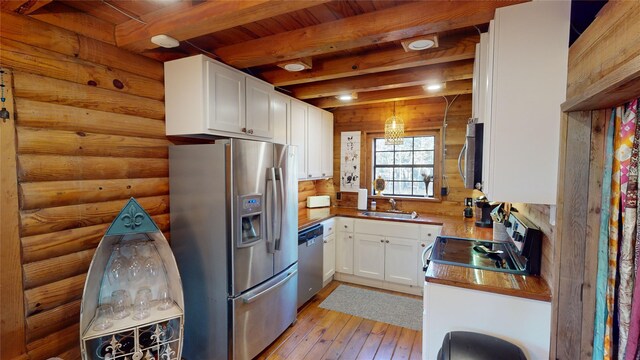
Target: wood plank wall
pixel 417 115
pixel 90 134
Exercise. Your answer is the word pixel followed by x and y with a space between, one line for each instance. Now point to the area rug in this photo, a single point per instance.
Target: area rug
pixel 378 306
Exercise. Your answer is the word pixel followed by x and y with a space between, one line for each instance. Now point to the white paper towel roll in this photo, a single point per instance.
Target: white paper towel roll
pixel 362 199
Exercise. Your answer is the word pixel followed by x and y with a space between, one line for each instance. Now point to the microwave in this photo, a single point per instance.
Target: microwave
pixel 470 158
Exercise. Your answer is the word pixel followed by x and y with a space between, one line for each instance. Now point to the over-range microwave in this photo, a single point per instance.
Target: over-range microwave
pixel 471 170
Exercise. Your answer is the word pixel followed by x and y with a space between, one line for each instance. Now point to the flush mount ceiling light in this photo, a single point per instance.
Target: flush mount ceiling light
pixel 347 97
pixel 394 129
pixel 418 43
pixel 434 87
pixel 295 65
pixel 165 41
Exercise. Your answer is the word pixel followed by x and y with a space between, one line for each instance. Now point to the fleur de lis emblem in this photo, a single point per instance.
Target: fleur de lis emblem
pixel 132 219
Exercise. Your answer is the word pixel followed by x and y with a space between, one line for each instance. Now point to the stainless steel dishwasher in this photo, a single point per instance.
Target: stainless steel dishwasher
pixel 309 263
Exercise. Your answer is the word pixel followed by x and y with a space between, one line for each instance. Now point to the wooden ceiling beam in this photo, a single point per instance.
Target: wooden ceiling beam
pixel 22 6
pixel 391 24
pixel 183 21
pixel 459 70
pixel 451 49
pixel 406 93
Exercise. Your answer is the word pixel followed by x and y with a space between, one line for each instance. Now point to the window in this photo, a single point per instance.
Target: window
pixel 406 167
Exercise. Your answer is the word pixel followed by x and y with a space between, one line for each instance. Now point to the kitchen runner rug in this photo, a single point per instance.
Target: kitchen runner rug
pixel 378 306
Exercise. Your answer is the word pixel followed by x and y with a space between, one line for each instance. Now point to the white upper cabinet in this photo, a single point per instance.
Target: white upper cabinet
pixel 281 117
pixel 314 143
pixel 327 144
pixel 259 117
pixel 527 51
pixel 299 134
pixel 225 95
pixel 205 97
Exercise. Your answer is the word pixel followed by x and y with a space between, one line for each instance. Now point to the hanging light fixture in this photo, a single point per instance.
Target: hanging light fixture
pixel 394 129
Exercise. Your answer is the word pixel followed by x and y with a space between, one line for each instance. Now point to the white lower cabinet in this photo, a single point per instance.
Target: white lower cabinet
pixel 369 256
pixel 329 257
pixel 383 254
pixel 400 261
pixel 328 250
pixel 344 246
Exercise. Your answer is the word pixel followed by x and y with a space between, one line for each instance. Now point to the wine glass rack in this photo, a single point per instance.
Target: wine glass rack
pixel 157 336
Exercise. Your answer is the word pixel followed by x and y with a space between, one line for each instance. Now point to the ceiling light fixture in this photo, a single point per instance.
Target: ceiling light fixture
pixel 296 65
pixel 434 86
pixel 165 41
pixel 394 129
pixel 347 97
pixel 419 43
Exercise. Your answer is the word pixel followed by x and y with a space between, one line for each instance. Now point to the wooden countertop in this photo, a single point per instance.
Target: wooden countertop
pixel 525 286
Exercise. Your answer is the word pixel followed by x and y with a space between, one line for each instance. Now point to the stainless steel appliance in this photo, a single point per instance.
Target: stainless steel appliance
pixel 471 172
pixel 310 263
pixel 520 254
pixel 234 231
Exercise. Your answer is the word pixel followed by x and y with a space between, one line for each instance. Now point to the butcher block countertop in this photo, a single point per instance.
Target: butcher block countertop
pixel 524 286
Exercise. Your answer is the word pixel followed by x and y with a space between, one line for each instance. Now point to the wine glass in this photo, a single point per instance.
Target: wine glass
pixel 150 263
pixel 118 267
pixel 135 270
pixel 164 298
pixel 104 314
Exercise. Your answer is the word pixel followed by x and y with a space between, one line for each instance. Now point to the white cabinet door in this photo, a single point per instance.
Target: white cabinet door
pixel 299 112
pixel 226 99
pixel 281 117
pixel 327 144
pixel 369 256
pixel 314 143
pixel 400 263
pixel 329 257
pixel 344 252
pixel 258 99
pixel 530 75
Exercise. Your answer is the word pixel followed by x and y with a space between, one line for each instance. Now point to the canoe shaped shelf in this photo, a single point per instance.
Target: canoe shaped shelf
pixel 132 304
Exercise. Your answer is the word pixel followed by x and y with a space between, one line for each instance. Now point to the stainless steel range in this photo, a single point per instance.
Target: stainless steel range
pixel 520 254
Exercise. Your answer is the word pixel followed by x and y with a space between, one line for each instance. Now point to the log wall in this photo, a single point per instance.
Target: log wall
pixel 417 115
pixel 89 135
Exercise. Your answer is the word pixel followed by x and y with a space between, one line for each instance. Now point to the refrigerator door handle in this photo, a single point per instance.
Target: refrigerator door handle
pixel 253 296
pixel 280 212
pixel 272 238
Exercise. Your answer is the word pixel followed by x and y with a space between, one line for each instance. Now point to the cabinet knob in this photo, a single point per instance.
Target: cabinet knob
pixel 423 245
pixel 325 241
pixel 387 241
pixel 244 130
pixel 250 131
pixel 349 236
pixel 345 226
pixel 381 241
pixel 429 234
pixel 323 174
pixel 310 175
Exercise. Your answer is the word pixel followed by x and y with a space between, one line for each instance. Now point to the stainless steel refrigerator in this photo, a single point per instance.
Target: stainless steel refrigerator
pixel 234 231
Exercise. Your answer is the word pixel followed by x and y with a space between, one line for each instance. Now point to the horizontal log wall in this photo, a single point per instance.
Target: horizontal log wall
pixel 417 115
pixel 90 135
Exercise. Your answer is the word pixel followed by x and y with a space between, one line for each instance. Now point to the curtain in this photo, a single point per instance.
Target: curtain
pixel 617 313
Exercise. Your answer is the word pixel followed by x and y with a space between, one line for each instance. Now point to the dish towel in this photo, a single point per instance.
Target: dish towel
pixel 603 255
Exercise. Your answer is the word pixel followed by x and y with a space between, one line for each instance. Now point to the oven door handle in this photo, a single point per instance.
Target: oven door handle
pixel 425 258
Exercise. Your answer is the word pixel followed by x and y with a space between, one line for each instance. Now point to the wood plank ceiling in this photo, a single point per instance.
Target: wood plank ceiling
pixel 354 46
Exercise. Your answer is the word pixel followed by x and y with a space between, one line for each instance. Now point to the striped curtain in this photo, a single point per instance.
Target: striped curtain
pixel 617 313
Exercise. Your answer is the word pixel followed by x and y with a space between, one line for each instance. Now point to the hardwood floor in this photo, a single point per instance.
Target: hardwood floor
pixel 321 334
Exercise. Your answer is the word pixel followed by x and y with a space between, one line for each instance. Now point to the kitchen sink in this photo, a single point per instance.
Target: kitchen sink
pixel 391 215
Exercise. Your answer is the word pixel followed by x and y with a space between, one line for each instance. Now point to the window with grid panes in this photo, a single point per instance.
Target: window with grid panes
pixel 403 167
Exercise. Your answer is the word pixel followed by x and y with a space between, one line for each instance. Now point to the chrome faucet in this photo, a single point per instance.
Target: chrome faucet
pixel 393 204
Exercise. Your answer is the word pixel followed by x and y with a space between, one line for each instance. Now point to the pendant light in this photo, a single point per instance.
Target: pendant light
pixel 394 129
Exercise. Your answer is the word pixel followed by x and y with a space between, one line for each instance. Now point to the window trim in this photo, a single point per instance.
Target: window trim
pixel 370 165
